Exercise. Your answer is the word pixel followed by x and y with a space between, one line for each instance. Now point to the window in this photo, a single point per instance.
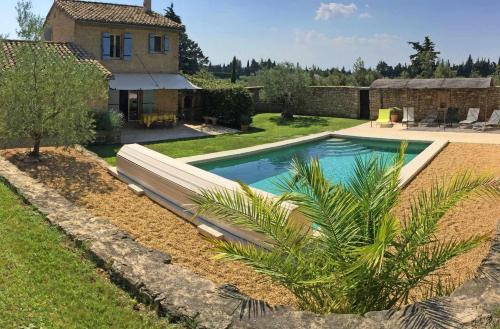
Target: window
pixel 157 44
pixel 115 46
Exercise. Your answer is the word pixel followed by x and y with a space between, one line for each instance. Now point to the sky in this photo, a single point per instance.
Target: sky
pixel 326 34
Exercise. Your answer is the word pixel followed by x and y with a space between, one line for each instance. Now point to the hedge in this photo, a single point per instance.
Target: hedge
pixel 231 106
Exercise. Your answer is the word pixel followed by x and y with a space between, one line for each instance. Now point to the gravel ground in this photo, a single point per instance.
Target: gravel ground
pixel 86 183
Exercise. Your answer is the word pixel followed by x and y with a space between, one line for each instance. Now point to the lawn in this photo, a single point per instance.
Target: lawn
pixel 47 283
pixel 266 128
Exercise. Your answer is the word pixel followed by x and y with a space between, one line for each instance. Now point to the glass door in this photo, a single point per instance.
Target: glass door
pixel 133 105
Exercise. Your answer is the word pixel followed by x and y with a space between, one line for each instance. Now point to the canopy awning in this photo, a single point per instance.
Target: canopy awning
pixel 144 81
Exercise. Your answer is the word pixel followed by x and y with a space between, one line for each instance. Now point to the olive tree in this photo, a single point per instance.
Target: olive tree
pixel 46 95
pixel 285 85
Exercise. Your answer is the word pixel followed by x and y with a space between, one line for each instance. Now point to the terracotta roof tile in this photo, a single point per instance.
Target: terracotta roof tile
pixel 64 49
pixel 110 13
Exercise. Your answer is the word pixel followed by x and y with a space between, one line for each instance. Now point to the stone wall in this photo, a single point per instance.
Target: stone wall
pixel 426 101
pixel 330 101
pixel 151 277
pixel 333 101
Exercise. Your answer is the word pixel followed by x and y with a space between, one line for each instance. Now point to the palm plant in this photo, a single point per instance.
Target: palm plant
pixel 355 255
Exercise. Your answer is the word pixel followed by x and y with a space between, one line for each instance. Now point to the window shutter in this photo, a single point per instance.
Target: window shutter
pixel 166 44
pixel 106 46
pixel 127 46
pixel 151 43
pixel 148 101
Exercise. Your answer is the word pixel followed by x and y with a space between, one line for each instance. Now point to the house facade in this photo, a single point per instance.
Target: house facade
pixel 138 46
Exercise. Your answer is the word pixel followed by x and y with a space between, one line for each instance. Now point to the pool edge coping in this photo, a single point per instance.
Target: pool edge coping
pixel 408 172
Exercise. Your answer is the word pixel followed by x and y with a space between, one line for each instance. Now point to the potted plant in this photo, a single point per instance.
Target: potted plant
pixel 245 121
pixel 395 111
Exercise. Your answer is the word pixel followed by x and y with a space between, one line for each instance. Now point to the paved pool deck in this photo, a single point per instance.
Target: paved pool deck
pixel 399 131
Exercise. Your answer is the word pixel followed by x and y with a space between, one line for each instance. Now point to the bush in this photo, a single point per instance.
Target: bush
pixel 285 85
pixel 229 105
pixel 108 120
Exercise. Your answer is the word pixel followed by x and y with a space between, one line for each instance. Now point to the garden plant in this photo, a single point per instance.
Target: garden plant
pixel 361 257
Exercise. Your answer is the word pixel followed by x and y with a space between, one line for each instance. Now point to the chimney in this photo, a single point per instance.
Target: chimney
pixel 147 6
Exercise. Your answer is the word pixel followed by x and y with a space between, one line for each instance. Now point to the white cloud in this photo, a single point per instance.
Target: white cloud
pixel 365 15
pixel 330 10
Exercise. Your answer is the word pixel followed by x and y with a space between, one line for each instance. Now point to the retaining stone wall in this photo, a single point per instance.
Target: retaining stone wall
pixel 149 275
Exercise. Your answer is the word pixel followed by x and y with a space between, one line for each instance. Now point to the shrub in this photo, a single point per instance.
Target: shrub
pixel 228 102
pixel 108 120
pixel 229 105
pixel 363 258
pixel 285 85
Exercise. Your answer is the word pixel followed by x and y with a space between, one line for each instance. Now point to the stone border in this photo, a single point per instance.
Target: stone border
pixel 149 275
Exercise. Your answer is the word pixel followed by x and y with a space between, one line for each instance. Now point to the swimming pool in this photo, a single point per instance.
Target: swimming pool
pixel 336 155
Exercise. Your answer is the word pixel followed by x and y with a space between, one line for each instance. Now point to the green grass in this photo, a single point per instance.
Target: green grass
pixel 47 283
pixel 266 128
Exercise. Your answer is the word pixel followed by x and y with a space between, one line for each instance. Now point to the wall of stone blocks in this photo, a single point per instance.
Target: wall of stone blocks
pixel 324 101
pixel 426 101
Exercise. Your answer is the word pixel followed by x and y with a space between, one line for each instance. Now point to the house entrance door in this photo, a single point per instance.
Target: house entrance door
pixel 133 105
pixel 123 103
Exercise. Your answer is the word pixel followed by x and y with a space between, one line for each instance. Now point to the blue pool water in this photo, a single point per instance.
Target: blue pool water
pixel 336 157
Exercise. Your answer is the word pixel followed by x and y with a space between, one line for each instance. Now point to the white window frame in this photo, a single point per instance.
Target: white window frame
pixel 115 47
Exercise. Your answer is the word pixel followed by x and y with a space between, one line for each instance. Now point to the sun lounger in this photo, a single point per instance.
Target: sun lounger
pixel 429 120
pixel 494 121
pixel 472 117
pixel 384 117
pixel 408 115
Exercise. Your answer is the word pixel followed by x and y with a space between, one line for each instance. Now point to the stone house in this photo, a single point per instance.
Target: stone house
pixel 138 46
pixel 430 95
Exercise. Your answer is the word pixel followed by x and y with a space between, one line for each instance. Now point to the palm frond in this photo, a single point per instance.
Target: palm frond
pixel 248 307
pixel 375 184
pixel 329 207
pixel 252 211
pixel 429 207
pixel 371 257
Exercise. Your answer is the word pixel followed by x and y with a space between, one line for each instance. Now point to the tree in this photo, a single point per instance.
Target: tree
pixel 443 70
pixel 384 69
pixel 424 61
pixel 47 96
pixel 362 76
pixel 30 25
pixel 361 257
pixel 234 75
pixel 191 57
pixel 285 85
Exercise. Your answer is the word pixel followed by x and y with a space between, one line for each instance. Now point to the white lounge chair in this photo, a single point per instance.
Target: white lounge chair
pixel 408 115
pixel 494 121
pixel 472 117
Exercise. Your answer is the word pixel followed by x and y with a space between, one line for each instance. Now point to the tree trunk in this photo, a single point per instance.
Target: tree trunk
pixel 287 114
pixel 35 153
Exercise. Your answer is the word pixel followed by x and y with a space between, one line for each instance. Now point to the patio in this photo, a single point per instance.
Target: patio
pixel 134 134
pixel 400 131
